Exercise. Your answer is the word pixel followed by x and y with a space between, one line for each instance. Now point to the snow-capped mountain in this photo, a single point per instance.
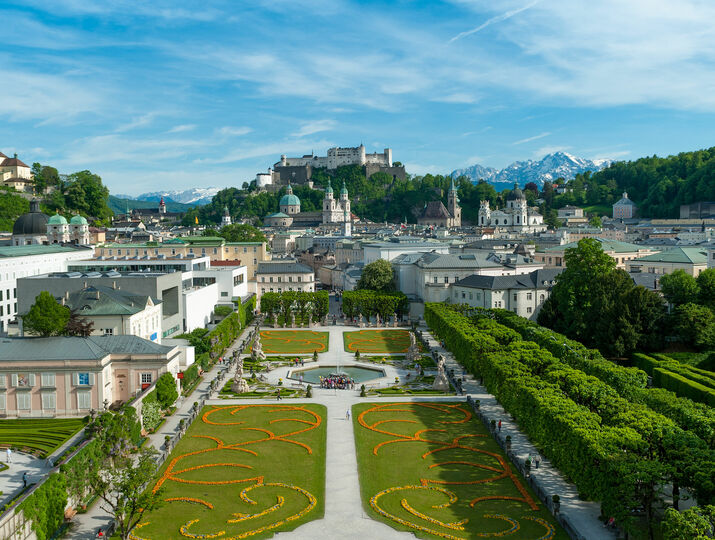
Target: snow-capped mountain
pixel 550 167
pixel 196 196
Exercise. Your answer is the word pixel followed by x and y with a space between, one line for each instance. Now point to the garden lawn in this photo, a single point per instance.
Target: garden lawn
pixel 377 341
pixel 247 470
pixel 434 470
pixel 293 341
pixel 40 435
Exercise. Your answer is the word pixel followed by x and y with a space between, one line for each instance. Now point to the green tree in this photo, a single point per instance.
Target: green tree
pixel 166 392
pixel 239 232
pixel 694 324
pixel 595 221
pixel 679 288
pixel 696 523
pixel 377 276
pixel 706 288
pixel 46 316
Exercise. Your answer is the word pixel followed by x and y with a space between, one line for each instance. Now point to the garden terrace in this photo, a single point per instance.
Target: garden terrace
pixel 234 474
pixel 433 470
pixel 40 436
pixel 377 341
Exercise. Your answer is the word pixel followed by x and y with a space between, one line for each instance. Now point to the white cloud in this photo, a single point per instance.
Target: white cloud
pixel 139 121
pixel 234 131
pixel 498 18
pixel 534 138
pixel 316 126
pixel 456 97
pixel 181 128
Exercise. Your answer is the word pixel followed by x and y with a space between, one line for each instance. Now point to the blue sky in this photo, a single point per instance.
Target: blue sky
pixel 172 95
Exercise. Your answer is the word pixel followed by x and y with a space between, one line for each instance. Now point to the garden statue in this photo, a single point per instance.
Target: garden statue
pixel 310 320
pixel 257 350
pixel 275 319
pixel 394 320
pixel 292 320
pixel 325 320
pixel 377 319
pixel 413 352
pixel 440 381
pixel 239 385
pixel 361 324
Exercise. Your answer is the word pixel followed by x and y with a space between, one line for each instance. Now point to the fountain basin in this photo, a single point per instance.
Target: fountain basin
pixel 359 374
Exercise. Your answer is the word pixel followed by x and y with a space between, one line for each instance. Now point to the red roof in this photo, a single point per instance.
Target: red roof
pixel 13 162
pixel 234 262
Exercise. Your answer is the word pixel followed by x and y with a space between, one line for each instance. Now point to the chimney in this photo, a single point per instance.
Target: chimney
pixel 66 297
pixel 96 294
pixel 114 285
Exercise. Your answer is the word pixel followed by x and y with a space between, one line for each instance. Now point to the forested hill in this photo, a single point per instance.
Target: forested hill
pixel 657 185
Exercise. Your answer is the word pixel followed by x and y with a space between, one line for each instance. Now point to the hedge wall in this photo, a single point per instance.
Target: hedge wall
pixel 280 303
pixel 368 303
pixel 683 386
pixel 650 363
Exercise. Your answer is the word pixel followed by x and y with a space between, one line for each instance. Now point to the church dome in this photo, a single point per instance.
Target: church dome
pixel 290 200
pixel 57 220
pixel 78 220
pixel 516 194
pixel 32 223
pixel 344 189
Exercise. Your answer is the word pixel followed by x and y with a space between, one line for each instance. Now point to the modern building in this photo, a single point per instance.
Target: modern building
pixel 30 260
pixel 524 294
pixel 691 260
pixel 69 376
pixel 284 275
pixel 516 217
pixel 248 254
pixel 621 252
pixel 400 245
pixel 624 208
pixel 435 214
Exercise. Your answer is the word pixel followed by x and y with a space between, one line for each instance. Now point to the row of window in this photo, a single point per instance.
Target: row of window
pixel 23 401
pixel 5 295
pixel 47 380
pixel 279 278
pixel 128 251
pixel 11 309
pixel 263 289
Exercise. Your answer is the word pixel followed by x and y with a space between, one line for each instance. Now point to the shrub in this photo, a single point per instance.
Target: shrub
pixel 166 392
pixel 46 506
pixel 222 311
pixel 151 415
pixel 683 386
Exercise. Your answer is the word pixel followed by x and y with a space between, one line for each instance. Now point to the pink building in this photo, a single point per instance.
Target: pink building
pixel 624 208
pixel 68 376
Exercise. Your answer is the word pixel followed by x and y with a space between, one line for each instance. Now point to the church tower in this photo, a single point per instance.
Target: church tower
pixel 344 200
pixel 226 218
pixel 328 204
pixel 162 206
pixel 485 214
pixel 453 206
pixel 347 224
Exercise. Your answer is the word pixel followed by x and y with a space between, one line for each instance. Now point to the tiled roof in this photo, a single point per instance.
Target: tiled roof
pixel 75 348
pixel 607 245
pixel 683 255
pixel 288 267
pixel 13 162
pixel 438 260
pixel 110 302
pixel 435 210
pixel 36 249
pixel 537 279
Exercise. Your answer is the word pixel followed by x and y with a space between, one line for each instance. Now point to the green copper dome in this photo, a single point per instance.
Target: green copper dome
pixel 329 189
pixel 290 200
pixel 344 189
pixel 57 220
pixel 78 220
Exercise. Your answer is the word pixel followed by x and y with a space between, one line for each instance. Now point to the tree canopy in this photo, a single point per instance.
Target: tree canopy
pixel 46 317
pixel 377 276
pixel 679 288
pixel 238 232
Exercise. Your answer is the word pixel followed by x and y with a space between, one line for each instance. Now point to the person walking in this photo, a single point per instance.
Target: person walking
pixel 537 460
pixel 347 414
pixel 24 479
pixel 499 424
pixel 278 397
pixel 8 454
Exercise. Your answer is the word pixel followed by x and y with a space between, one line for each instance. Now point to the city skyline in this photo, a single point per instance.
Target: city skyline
pixel 158 97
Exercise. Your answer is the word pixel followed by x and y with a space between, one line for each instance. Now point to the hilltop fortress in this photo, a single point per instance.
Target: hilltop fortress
pixel 299 170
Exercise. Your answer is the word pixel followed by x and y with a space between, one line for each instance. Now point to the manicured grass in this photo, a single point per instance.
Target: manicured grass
pixel 433 470
pixel 293 341
pixel 377 341
pixel 42 436
pixel 246 470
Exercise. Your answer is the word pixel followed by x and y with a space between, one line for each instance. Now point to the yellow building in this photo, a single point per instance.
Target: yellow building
pixel 621 252
pixel 248 254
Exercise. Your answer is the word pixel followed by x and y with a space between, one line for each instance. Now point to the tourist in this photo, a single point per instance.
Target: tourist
pixel 24 479
pixel 537 460
pixel 278 396
pixel 499 424
pixel 8 453
pixel 302 362
pixel 347 415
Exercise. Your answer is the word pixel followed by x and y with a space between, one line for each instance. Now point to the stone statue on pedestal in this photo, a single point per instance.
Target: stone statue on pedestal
pixel 394 320
pixel 292 320
pixel 275 320
pixel 239 385
pixel 377 320
pixel 310 319
pixel 440 381
pixel 257 349
pixel 413 353
pixel 361 324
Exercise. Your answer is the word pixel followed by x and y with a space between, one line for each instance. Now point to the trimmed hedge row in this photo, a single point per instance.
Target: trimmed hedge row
pixel 650 363
pixel 368 303
pixel 626 381
pixel 683 386
pixel 622 437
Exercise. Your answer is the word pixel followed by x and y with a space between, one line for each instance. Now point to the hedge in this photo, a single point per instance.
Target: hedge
pixel 617 429
pixel 702 376
pixel 683 386
pixel 282 302
pixel 368 303
pixel 46 506
pixel 190 374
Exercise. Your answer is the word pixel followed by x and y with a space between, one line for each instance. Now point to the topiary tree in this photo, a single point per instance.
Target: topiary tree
pixel 166 392
pixel 46 317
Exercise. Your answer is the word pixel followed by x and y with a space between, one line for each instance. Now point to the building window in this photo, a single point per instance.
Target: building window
pixel 299 278
pixel 84 400
pixel 514 297
pixel 254 261
pixel 215 251
pixel 2 381
pixel 108 331
pixel 263 290
pixel 49 401
pixel 435 279
pixel 48 379
pixel 528 296
pixel 224 293
pixel 83 379
pixel 541 298
pixel 245 250
pixel 23 380
pixel 470 296
pixel 528 310
pixel 464 295
pixel 23 401
pixel 279 279
pixel 146 378
pixel 446 279
pixel 290 279
pixel 270 279
pixel 2 401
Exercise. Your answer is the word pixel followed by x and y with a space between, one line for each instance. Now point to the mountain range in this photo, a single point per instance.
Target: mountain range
pixel 192 197
pixel 547 169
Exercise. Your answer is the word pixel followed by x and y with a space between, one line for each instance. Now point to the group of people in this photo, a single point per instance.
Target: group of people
pixel 340 382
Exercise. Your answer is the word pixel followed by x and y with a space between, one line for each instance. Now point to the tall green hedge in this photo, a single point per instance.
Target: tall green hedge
pixel 683 386
pixel 650 363
pixel 282 303
pixel 46 506
pixel 369 303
